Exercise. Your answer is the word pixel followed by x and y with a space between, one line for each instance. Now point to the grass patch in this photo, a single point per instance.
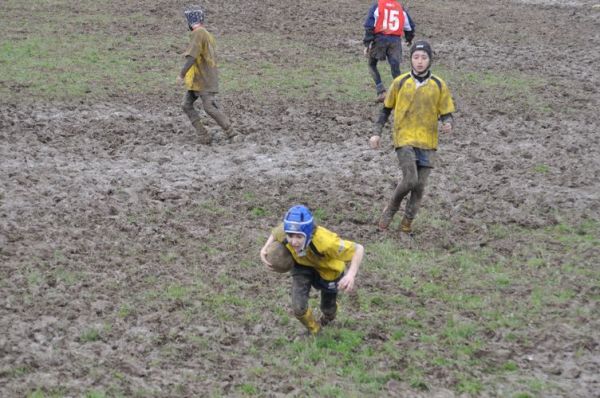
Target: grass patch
pixel 59 62
pixel 64 67
pixel 541 168
pixel 517 88
pixel 90 335
pixel 302 73
pixel 419 314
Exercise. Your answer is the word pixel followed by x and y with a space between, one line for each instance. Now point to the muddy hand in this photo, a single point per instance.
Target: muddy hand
pixel 263 257
pixel 374 142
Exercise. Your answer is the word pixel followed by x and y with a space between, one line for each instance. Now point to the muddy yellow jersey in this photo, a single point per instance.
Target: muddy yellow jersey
pixel 417 108
pixel 332 252
pixel 203 75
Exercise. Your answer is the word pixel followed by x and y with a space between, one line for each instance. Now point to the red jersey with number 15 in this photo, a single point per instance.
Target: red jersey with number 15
pixel 389 18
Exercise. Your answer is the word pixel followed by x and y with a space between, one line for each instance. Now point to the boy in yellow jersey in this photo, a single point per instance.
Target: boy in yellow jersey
pixel 420 101
pixel 201 76
pixel 320 258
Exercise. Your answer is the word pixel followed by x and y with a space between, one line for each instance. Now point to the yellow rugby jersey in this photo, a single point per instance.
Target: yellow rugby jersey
pixel 203 75
pixel 334 252
pixel 417 110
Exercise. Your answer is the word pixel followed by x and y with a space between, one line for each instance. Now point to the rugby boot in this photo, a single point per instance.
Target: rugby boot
pixel 385 219
pixel 203 134
pixel 308 320
pixel 406 225
pixel 230 133
pixel 326 319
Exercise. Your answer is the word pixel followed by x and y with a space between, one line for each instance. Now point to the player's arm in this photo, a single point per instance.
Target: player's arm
pixel 446 108
pixel 369 26
pixel 409 28
pixel 347 281
pixel 193 52
pixel 189 61
pixel 384 115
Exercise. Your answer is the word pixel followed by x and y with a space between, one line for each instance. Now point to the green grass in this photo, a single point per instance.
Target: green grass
pixel 72 67
pixel 305 74
pixel 318 78
pixel 417 313
pixel 57 61
pixel 541 168
pixel 54 63
pixel 431 311
pixel 90 335
pixel 58 64
pixel 516 89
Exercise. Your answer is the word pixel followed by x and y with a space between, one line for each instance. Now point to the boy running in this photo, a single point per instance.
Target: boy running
pixel 320 258
pixel 420 100
pixel 201 76
pixel 386 23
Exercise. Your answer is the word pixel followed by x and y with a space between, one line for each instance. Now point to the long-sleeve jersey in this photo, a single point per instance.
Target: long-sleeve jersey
pixel 370 21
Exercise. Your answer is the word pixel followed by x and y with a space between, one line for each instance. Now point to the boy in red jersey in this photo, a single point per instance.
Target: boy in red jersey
pixel 386 23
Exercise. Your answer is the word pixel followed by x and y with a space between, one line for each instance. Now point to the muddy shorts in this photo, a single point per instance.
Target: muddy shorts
pixel 423 157
pixel 315 279
pixel 383 48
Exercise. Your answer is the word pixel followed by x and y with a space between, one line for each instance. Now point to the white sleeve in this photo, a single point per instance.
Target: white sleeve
pixel 406 22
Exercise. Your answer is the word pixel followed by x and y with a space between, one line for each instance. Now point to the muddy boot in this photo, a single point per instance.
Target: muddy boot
pixel 327 316
pixel 308 320
pixel 326 319
pixel 406 225
pixel 385 219
pixel 203 134
pixel 230 133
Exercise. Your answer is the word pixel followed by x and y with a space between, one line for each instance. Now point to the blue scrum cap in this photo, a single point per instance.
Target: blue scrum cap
pixel 299 220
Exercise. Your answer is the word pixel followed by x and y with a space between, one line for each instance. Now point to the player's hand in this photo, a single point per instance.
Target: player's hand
pixel 409 35
pixel 374 142
pixel 179 79
pixel 346 283
pixel 446 128
pixel 366 51
pixel 263 257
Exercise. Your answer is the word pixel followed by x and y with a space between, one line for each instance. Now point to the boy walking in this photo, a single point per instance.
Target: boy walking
pixel 201 76
pixel 420 100
pixel 320 258
pixel 386 23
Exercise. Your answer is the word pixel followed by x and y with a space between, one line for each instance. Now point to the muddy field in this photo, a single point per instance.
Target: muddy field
pixel 119 233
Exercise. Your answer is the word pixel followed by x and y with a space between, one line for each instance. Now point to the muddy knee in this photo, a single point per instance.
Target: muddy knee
pixel 418 190
pixel 187 107
pixel 410 178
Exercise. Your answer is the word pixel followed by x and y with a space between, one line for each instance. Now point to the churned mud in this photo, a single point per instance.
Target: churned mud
pixel 94 195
